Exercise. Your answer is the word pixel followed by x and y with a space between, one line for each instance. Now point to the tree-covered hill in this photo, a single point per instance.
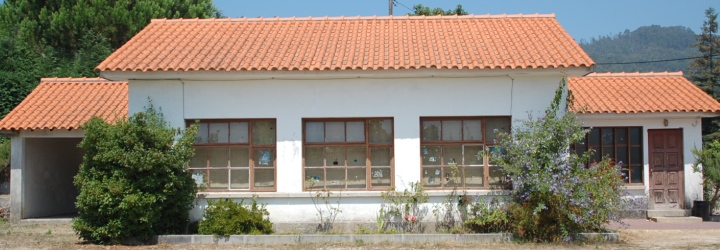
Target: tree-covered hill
pixel 647 43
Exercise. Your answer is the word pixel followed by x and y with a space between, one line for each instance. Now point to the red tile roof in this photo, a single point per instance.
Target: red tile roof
pixel 67 103
pixel 638 93
pixel 350 43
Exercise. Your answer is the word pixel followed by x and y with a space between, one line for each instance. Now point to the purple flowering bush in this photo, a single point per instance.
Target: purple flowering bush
pixel 556 193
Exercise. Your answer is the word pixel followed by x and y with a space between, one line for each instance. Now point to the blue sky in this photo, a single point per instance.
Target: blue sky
pixel 583 19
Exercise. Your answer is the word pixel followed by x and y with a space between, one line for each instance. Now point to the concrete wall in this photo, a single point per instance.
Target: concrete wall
pixel 692 138
pixel 50 165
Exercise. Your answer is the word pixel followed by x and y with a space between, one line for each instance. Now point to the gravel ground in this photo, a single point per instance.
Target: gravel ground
pixel 697 236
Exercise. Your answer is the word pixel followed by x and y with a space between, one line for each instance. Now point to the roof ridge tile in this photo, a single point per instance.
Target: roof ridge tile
pixel 635 74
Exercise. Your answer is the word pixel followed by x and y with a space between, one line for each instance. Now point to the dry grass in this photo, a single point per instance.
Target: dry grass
pixel 61 236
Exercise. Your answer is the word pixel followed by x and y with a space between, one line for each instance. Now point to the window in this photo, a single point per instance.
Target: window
pixel 353 154
pixel 455 152
pixel 622 144
pixel 235 155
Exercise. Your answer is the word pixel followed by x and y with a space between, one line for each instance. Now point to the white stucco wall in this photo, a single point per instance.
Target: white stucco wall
pixel 404 98
pixel 692 138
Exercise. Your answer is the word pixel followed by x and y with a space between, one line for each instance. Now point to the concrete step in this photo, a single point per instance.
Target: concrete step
pixel 668 213
pixel 688 219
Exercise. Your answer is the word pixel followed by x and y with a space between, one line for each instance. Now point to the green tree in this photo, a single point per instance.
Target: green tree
pixel 421 10
pixel 133 180
pixel 68 38
pixel 705 71
pixel 62 24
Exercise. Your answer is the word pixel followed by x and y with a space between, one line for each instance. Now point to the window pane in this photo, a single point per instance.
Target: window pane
pixel 263 132
pixel 314 178
pixel 314 132
pixel 432 177
pixel 636 174
pixel 622 156
pixel 356 156
pixel 238 132
pixel 240 179
pixel 609 152
pixel 334 132
pixel 621 134
pixel 239 157
pixel 453 176
pixel 355 131
pixel 608 137
pixel 218 179
pixel 202 135
pixel 636 155
pixel 474 177
pixel 264 178
pixel 596 155
pixel 580 151
pixel 314 157
pixel 335 178
pixel 497 177
pixel 264 158
pixel 199 177
pixel 356 178
pixel 635 136
pixel 472 130
pixel 200 158
pixel 219 158
pixel 474 155
pixel 335 156
pixel 495 126
pixel 431 155
pixel 380 157
pixel 380 177
pixel 431 131
pixel 451 130
pixel 218 133
pixel 380 131
pixel 626 174
pixel 452 155
pixel 594 137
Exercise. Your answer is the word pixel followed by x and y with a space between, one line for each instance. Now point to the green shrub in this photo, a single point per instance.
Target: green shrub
pixel 225 217
pixel 488 217
pixel 133 181
pixel 707 162
pixel 403 212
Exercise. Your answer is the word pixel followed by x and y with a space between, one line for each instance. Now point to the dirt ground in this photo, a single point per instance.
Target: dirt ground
pixel 61 236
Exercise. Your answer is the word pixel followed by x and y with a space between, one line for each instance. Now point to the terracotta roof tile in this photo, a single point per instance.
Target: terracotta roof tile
pixel 638 93
pixel 348 43
pixel 67 103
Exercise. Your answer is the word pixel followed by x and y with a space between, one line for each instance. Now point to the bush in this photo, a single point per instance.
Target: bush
pixel 556 194
pixel 402 212
pixel 707 162
pixel 133 181
pixel 488 217
pixel 225 217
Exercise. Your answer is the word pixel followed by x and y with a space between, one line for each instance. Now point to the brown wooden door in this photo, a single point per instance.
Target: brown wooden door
pixel 666 168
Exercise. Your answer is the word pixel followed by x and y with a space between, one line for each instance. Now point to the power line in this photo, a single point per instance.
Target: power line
pixel 401 4
pixel 665 60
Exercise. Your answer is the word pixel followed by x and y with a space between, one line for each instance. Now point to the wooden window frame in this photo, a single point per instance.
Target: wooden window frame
pixel 626 166
pixel 249 145
pixel 368 154
pixel 484 142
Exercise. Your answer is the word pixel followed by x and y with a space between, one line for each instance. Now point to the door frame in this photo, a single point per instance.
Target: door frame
pixel 681 171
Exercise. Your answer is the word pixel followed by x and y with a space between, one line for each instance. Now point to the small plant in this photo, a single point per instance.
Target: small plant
pixel 225 217
pixel 451 214
pixel 402 211
pixel 707 162
pixel 326 210
pixel 488 217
